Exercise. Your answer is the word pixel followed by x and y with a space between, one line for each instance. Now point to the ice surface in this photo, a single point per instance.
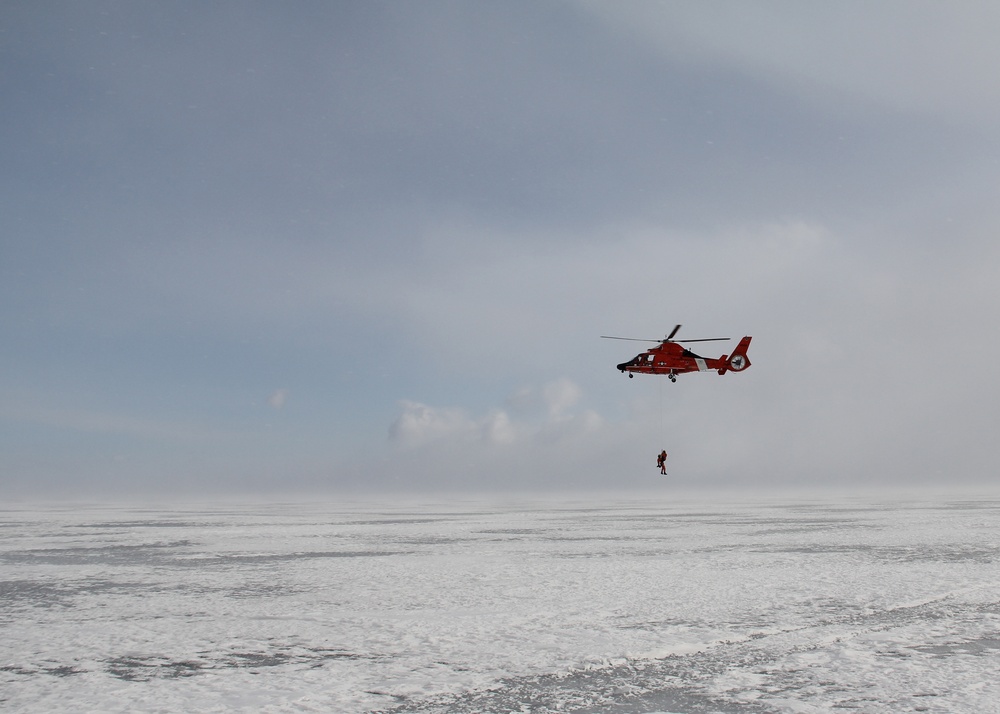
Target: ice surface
pixel 611 605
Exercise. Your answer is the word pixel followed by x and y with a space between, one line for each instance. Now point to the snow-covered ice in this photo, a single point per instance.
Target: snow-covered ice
pixel 624 604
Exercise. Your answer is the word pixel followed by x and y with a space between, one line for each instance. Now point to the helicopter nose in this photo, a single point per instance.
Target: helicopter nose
pixel 622 366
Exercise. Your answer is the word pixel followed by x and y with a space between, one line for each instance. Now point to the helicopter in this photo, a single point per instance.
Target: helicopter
pixel 671 359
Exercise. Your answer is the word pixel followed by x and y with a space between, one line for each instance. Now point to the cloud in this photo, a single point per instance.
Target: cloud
pixel 891 53
pixel 560 396
pixel 550 441
pixel 420 424
pixel 278 398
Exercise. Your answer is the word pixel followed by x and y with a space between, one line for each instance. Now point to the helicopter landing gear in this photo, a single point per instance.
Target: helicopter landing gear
pixel 630 375
pixel 672 377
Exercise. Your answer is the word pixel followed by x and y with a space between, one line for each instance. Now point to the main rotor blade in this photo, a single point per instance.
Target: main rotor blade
pixel 672 333
pixel 644 339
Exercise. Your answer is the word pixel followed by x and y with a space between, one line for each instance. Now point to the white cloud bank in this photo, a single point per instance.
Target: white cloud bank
pixel 420 424
pixel 542 435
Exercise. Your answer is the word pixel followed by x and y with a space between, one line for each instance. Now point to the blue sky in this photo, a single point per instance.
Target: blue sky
pixel 321 247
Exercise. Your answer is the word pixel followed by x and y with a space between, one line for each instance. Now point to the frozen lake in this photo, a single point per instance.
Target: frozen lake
pixel 595 604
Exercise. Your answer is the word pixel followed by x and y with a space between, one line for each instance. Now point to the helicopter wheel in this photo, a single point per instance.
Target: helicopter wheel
pixel 673 378
pixel 630 375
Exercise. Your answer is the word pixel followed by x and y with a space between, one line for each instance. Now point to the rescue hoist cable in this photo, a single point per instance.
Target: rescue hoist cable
pixel 661 434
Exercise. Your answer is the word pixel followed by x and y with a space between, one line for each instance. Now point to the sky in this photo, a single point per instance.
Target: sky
pixel 340 247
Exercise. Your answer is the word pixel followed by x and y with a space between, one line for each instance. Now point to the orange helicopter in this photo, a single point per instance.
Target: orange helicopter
pixel 671 359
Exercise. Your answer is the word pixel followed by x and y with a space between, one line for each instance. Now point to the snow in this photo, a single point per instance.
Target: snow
pixel 652 604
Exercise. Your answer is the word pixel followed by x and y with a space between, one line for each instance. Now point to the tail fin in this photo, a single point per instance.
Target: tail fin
pixel 738 360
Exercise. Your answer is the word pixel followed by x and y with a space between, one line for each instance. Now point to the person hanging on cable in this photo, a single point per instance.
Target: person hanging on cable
pixel 661 461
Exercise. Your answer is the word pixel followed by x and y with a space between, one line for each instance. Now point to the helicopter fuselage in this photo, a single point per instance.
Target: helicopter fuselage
pixel 671 359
